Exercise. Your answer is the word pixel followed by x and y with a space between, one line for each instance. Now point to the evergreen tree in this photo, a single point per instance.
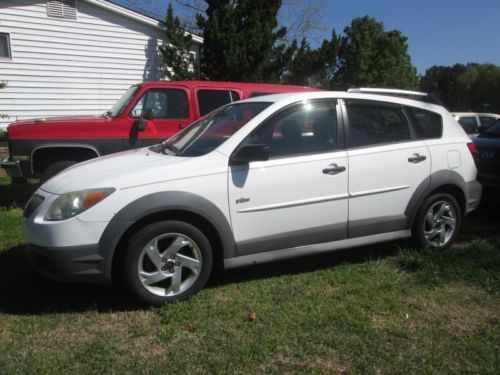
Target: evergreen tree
pixel 240 40
pixel 313 67
pixel 462 88
pixel 175 52
pixel 371 56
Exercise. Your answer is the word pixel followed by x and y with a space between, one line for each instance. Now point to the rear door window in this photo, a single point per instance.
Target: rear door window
pixel 208 100
pixel 376 123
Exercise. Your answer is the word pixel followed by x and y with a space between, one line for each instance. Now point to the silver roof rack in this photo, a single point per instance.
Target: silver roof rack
pixel 416 95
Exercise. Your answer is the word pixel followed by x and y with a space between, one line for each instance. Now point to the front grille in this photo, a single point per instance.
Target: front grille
pixel 33 204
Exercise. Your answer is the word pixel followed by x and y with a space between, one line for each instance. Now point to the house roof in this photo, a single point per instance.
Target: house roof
pixel 128 12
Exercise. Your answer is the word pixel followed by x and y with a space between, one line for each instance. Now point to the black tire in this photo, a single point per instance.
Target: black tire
pixel 168 235
pixel 19 180
pixel 55 168
pixel 427 232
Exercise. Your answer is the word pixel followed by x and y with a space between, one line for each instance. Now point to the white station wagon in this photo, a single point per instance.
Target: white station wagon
pixel 258 180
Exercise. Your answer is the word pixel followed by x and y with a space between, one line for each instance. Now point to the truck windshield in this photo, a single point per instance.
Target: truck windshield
pixel 120 105
pixel 211 131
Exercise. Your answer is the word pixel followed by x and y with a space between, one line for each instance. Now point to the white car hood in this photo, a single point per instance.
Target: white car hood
pixel 120 170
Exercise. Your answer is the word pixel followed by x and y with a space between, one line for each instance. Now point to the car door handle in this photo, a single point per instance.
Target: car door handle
pixel 334 169
pixel 417 158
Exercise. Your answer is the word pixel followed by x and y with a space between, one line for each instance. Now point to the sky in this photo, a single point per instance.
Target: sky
pixel 439 32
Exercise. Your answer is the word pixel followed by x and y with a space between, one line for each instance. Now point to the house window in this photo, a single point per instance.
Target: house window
pixel 5 46
pixel 62 9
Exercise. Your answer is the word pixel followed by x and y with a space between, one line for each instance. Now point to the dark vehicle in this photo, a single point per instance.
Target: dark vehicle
pixel 488 146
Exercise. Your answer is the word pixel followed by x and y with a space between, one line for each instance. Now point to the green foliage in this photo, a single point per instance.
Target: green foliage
pixel 370 56
pixel 477 263
pixel 313 67
pixel 175 52
pixel 240 40
pixel 472 87
pixel 364 310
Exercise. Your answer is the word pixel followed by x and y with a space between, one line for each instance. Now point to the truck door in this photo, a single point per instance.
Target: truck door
pixel 168 111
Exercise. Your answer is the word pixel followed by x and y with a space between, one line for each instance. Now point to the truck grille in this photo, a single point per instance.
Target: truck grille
pixel 33 204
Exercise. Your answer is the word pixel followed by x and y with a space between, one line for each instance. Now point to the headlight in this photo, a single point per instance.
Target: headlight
pixel 71 204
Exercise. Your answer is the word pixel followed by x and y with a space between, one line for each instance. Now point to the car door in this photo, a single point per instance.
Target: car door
pixel 167 110
pixel 386 165
pixel 298 196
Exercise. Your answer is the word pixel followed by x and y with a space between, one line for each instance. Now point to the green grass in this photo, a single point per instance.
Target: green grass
pixel 379 309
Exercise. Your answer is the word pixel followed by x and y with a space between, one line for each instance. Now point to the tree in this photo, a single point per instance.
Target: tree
pixel 313 67
pixel 240 39
pixel 175 52
pixel 472 87
pixel 370 56
pixel 302 19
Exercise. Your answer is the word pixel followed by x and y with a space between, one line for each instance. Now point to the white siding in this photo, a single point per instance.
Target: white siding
pixel 65 66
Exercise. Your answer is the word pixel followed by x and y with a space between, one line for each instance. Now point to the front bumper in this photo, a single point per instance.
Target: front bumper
pixel 66 250
pixel 69 264
pixel 14 168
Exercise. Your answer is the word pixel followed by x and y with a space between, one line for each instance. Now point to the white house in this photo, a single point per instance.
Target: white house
pixel 67 57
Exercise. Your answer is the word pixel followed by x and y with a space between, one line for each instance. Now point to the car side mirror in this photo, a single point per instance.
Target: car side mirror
pixel 248 153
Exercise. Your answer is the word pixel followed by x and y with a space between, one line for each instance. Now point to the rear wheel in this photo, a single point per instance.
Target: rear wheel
pixel 55 168
pixel 167 261
pixel 438 222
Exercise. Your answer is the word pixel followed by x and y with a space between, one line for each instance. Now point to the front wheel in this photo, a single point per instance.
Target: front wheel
pixel 438 222
pixel 167 261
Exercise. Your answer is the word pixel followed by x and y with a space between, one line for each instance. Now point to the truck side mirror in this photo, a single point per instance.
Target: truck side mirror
pixel 147 114
pixel 141 123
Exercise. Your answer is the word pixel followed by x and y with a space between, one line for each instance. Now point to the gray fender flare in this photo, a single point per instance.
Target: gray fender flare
pixel 157 203
pixel 434 181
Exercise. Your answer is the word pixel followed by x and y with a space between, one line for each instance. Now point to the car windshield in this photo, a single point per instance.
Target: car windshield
pixel 211 131
pixel 120 105
pixel 494 130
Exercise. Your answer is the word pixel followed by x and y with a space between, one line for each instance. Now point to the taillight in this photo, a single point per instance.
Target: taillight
pixel 473 150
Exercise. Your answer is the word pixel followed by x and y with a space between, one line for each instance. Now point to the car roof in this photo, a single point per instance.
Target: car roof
pixel 298 96
pixel 241 85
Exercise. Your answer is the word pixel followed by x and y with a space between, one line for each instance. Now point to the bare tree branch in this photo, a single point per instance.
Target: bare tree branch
pixel 303 19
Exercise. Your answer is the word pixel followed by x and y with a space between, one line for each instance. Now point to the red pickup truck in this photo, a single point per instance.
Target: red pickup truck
pixel 146 114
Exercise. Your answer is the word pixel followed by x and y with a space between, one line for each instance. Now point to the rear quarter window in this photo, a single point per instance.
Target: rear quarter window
pixel 427 124
pixel 208 100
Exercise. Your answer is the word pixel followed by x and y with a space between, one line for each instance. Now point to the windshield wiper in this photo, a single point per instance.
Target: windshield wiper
pixel 172 148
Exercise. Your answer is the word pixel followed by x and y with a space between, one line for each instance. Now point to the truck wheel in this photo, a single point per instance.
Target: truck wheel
pixel 438 222
pixel 167 261
pixel 55 168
